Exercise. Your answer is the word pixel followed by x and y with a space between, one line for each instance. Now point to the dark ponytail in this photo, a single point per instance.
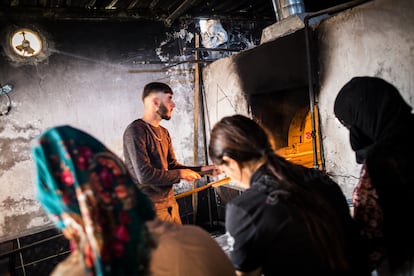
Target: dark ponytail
pixel 245 140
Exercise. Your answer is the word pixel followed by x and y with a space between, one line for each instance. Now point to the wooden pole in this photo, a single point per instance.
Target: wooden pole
pixel 202 188
pixel 196 111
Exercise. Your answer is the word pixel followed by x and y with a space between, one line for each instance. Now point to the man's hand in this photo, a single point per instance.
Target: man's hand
pixel 189 175
pixel 211 170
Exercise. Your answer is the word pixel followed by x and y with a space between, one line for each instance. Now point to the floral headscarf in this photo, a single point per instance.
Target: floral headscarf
pixel 86 189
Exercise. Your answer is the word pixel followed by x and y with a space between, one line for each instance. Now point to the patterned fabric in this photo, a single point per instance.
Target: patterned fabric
pixel 368 215
pixel 88 194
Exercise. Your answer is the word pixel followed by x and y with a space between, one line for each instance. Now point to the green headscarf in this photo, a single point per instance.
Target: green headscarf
pixel 86 188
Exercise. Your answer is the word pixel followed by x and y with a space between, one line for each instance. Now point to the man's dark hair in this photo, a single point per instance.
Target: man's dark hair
pixel 154 87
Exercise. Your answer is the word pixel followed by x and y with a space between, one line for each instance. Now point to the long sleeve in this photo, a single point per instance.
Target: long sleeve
pixel 143 159
pixel 173 164
pixel 151 159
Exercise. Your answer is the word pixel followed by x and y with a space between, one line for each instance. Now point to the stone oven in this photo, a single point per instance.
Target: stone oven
pixel 271 84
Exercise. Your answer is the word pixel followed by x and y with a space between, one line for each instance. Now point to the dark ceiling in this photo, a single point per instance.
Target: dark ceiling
pixel 168 11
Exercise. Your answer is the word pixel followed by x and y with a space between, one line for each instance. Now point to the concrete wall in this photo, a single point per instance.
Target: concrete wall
pixel 376 39
pixel 91 78
pixel 269 69
pixel 224 93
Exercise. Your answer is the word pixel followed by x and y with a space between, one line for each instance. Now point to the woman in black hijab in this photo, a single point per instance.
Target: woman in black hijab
pixel 381 126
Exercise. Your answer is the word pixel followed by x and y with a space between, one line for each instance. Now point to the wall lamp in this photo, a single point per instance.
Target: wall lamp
pixel 25 45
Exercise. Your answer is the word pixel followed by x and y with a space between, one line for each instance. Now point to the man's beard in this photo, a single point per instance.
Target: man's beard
pixel 162 111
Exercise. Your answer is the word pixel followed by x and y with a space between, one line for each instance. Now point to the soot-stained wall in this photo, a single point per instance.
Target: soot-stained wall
pixel 91 77
pixel 374 39
pixel 92 80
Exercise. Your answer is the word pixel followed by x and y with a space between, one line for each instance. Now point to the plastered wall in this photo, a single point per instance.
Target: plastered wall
pixel 375 39
pixel 91 80
pixel 224 91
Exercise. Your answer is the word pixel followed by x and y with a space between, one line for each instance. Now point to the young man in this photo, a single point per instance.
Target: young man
pixel 149 154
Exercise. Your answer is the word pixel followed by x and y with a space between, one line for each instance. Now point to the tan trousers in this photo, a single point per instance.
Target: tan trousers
pixel 167 209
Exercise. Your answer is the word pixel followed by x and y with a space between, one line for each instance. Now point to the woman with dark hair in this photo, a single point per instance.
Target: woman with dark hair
pixel 88 193
pixel 380 124
pixel 290 220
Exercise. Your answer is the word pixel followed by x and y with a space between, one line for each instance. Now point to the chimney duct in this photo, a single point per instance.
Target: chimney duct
pixel 286 8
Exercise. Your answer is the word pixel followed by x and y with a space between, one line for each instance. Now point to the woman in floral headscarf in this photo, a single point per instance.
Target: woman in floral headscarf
pixel 88 194
pixel 380 123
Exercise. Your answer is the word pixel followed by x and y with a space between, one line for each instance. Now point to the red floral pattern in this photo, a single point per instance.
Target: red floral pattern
pixel 106 189
pixel 67 178
pixel 368 214
pixel 92 194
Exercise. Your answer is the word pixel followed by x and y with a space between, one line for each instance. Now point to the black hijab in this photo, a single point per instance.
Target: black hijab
pixel 381 126
pixel 374 112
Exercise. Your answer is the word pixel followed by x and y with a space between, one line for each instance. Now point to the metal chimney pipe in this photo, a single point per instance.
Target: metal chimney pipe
pixel 276 8
pixel 286 8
